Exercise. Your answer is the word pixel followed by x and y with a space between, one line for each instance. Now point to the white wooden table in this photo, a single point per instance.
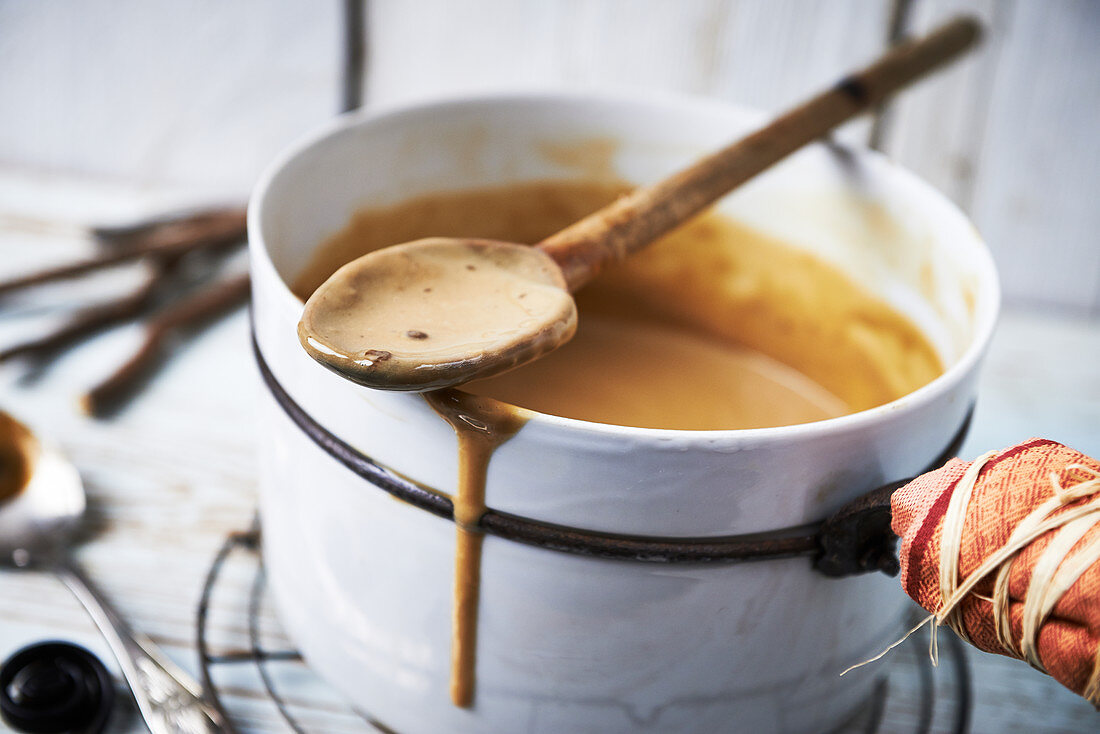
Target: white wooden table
pixel 170 477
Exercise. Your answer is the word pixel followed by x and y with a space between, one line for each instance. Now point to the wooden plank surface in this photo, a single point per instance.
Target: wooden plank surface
pixel 206 92
pixel 169 478
pixel 750 52
pixel 1041 152
pixel 1011 136
pixel 191 100
pixel 936 129
pixel 166 92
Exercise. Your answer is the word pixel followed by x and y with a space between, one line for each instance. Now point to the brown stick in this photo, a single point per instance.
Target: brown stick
pixel 639 218
pixel 89 321
pixel 161 239
pixel 207 304
pixel 171 227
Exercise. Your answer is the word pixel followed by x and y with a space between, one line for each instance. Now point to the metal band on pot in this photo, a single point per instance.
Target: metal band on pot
pixel 802 540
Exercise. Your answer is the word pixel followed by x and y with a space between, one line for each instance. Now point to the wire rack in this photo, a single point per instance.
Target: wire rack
pixel 910 696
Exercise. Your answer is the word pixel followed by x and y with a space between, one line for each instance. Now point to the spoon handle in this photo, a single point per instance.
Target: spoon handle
pixel 637 219
pixel 169 700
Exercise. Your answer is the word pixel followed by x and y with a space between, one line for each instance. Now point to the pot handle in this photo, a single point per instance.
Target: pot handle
pixel 857 538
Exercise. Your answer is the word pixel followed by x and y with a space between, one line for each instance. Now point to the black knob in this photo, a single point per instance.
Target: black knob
pixel 55 687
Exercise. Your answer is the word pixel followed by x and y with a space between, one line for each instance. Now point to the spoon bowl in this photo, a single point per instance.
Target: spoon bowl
pixel 39 516
pixel 438 312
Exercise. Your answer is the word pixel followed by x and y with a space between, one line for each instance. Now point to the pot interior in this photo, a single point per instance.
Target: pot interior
pixel 872 224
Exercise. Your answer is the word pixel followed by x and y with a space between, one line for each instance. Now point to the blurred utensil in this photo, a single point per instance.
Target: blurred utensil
pixel 56 686
pixel 38 524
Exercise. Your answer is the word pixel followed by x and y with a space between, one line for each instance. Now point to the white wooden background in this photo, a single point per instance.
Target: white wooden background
pixel 202 93
pixel 113 108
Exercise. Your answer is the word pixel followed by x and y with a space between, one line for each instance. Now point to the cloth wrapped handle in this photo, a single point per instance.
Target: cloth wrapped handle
pixel 1004 550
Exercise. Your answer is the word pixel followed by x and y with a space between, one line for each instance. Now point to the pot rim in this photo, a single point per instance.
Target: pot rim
pixel 986 307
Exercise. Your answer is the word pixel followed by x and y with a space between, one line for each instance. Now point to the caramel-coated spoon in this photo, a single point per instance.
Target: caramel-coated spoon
pixel 439 312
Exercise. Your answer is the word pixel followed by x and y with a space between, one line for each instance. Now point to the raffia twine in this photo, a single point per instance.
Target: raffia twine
pixel 1054 573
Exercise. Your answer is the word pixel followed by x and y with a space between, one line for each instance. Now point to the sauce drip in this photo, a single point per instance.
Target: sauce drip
pixel 481 425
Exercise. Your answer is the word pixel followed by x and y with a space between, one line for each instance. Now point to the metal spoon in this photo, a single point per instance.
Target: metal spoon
pixel 440 312
pixel 38 521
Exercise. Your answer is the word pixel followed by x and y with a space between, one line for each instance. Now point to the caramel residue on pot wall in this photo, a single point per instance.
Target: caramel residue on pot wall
pixel 723 279
pixel 592 158
pixel 525 213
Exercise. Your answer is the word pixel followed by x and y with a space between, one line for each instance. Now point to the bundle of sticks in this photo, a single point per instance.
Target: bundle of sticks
pixel 168 296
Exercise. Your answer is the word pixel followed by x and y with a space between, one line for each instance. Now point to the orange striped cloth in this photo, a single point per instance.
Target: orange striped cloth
pixel 1036 506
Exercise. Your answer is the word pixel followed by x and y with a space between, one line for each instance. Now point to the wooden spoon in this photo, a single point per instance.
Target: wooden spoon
pixel 439 312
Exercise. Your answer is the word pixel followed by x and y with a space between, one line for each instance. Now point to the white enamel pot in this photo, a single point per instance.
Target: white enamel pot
pixel 569 642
